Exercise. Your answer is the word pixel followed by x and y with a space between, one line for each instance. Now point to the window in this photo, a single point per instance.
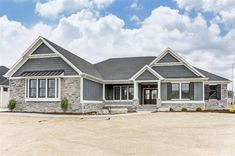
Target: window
pixel 116 93
pixel 41 88
pixel 175 91
pixel 5 89
pixel 123 92
pixel 131 92
pixel 51 88
pixel 212 92
pixel 33 88
pixel 185 91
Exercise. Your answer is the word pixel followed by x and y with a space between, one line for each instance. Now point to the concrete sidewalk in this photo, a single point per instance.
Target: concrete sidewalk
pixel 6 113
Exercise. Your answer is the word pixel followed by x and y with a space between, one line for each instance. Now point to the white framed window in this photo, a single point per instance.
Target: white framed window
pixel 180 91
pixel 123 92
pixel 42 89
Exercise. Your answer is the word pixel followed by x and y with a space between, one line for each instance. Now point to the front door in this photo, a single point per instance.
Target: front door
pixel 150 96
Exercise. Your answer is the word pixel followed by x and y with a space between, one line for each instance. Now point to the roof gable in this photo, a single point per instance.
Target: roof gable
pixel 169 55
pixel 168 58
pixel 42 49
pixel 147 75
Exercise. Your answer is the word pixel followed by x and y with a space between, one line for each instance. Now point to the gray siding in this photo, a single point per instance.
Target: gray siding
pixel 168 58
pixel 43 49
pixel 46 64
pixel 164 91
pixel 147 75
pixel 174 71
pixel 92 91
pixel 198 95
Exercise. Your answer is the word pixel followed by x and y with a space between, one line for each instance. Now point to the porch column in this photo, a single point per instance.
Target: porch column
pixel 159 89
pixel 135 90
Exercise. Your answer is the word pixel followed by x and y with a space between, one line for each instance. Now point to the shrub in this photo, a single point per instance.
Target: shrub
pixel 199 109
pixel 231 110
pixel 64 104
pixel 171 109
pixel 184 109
pixel 11 104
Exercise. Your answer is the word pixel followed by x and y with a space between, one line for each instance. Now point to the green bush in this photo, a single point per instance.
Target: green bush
pixel 184 109
pixel 64 104
pixel 199 109
pixel 171 109
pixel 231 110
pixel 11 104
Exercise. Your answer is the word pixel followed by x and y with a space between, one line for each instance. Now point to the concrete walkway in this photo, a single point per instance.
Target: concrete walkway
pixel 5 113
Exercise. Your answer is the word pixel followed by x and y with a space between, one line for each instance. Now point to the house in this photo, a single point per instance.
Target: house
pixel 4 87
pixel 47 72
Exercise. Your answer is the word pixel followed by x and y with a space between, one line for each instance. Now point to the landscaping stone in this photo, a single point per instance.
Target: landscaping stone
pixel 118 110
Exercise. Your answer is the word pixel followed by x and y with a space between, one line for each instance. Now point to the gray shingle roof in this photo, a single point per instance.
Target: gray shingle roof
pixel 3 80
pixel 122 68
pixel 78 62
pixel 125 68
pixel 212 77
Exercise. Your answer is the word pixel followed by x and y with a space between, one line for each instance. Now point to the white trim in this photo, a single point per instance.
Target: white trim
pixel 168 64
pixel 27 98
pixel 42 99
pixel 118 100
pixel 118 81
pixel 174 54
pixel 203 91
pixel 81 90
pixel 142 70
pixel 185 79
pixel 89 101
pixel 23 58
pixel 120 86
pixel 217 82
pixel 182 101
pixel 103 91
pixel 30 50
pixel 43 56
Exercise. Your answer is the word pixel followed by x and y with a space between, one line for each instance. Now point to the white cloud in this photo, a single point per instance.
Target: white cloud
pixel 95 38
pixel 136 5
pixel 53 8
pixel 224 10
pixel 135 19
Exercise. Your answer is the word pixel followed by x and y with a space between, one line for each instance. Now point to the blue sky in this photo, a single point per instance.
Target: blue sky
pixel 202 31
pixel 24 10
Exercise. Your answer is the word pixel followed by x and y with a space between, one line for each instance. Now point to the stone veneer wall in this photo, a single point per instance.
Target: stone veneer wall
pixel 213 104
pixel 179 106
pixel 70 88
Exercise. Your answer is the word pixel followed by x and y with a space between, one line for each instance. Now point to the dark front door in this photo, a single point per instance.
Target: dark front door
pixel 150 96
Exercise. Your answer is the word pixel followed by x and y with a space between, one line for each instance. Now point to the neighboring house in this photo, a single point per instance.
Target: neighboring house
pixel 47 72
pixel 4 87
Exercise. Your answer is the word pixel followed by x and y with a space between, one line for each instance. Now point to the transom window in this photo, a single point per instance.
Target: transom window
pixel 42 89
pixel 123 92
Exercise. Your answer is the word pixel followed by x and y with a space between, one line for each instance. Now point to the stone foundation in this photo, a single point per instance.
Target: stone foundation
pixel 179 106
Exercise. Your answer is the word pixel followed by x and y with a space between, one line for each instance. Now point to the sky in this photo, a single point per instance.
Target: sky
pixel 201 31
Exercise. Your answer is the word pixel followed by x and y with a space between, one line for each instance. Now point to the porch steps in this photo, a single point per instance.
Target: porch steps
pixel 147 108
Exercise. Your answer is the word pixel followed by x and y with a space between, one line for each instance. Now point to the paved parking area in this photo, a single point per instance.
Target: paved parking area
pixel 170 134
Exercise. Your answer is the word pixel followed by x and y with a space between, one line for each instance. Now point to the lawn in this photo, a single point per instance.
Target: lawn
pixel 173 134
